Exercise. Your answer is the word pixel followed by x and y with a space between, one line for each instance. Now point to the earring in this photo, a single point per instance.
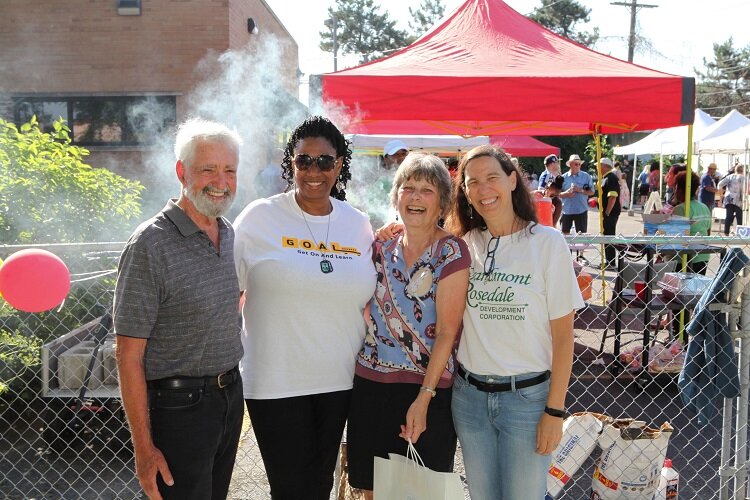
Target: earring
pixel 471 212
pixel 340 185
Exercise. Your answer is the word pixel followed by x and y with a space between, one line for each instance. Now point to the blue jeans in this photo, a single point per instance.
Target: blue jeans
pixel 497 432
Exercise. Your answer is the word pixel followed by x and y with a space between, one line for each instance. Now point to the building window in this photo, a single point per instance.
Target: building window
pixel 103 121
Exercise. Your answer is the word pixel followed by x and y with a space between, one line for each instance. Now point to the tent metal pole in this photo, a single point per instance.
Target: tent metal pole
pixel 598 142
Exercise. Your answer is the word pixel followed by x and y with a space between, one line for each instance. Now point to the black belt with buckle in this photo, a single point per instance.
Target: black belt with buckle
pixel 501 387
pixel 219 381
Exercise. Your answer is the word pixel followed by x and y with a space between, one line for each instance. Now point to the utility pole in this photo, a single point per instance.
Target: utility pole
pixel 633 10
pixel 333 25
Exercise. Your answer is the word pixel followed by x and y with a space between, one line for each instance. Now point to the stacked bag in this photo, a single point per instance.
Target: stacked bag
pixel 631 460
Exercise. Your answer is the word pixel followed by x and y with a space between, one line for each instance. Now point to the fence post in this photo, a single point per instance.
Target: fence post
pixel 740 459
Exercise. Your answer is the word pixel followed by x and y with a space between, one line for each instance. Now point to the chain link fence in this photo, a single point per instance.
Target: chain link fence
pixel 628 352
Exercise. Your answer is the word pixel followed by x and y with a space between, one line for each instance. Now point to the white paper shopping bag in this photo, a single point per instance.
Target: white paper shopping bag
pixel 406 478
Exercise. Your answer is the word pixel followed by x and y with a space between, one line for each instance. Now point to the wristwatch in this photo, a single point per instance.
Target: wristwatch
pixel 554 412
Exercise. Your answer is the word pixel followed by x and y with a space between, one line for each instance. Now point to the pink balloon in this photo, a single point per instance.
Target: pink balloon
pixel 34 280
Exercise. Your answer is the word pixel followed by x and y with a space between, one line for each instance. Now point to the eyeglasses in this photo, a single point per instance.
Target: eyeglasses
pixel 324 162
pixel 489 261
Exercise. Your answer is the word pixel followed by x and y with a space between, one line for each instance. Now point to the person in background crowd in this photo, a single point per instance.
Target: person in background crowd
pixel 514 363
pixel 643 187
pixel 624 192
pixel 394 153
pixel 734 184
pixel 610 207
pixel 627 170
pixel 177 325
pixel 577 187
pixel 552 191
pixel 452 165
pixel 708 189
pixel 304 261
pixel 551 170
pixel 405 368
pixel 654 177
pixel 700 215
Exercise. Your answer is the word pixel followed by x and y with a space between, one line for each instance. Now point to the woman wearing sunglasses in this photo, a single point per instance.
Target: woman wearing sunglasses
pixel 304 260
pixel 402 386
pixel 516 350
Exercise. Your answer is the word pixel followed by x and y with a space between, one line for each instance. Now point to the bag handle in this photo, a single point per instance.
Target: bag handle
pixel 411 454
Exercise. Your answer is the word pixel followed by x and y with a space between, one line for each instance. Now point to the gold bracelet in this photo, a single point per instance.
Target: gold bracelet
pixel 432 391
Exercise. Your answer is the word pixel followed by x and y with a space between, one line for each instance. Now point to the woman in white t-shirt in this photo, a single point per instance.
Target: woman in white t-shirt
pixel 516 351
pixel 304 261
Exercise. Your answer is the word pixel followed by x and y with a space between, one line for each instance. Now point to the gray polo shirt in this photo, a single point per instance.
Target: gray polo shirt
pixel 177 290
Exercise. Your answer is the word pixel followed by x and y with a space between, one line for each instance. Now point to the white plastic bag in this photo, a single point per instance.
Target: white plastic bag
pixel 631 460
pixel 580 434
pixel 406 478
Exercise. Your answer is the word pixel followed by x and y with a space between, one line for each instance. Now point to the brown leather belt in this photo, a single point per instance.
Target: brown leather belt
pixel 501 387
pixel 219 381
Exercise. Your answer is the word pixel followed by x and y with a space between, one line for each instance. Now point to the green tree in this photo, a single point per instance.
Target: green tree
pixel 362 30
pixel 425 16
pixel 562 16
pixel 725 82
pixel 49 195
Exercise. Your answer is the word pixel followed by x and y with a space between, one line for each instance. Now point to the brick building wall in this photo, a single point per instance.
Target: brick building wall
pixel 84 48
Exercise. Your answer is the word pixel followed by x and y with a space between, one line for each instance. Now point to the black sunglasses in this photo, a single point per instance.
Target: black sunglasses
pixel 325 162
pixel 489 261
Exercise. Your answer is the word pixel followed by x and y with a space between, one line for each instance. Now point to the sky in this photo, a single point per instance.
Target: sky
pixel 681 32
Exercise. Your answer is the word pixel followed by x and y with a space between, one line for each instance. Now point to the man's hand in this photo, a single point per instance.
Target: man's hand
pixel 148 463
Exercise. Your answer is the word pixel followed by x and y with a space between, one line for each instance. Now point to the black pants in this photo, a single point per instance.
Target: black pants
pixel 581 222
pixel 732 212
pixel 610 228
pixel 299 440
pixel 197 430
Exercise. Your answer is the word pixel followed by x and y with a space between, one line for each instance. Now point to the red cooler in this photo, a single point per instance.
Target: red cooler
pixel 543 210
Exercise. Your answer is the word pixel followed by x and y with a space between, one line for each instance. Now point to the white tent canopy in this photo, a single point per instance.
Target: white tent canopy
pixel 669 141
pixel 736 141
pixel 374 143
pixel 729 123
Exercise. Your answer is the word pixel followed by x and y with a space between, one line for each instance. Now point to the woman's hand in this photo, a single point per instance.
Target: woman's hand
pixel 389 231
pixel 548 434
pixel 416 418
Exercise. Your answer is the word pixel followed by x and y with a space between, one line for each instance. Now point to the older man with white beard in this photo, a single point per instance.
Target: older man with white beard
pixel 178 329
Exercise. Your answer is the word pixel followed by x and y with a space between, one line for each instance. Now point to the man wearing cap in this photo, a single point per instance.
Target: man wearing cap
pixel 610 206
pixel 577 187
pixel 551 170
pixel 708 189
pixel 394 153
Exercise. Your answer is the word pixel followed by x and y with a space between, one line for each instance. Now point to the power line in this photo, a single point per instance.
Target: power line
pixel 633 11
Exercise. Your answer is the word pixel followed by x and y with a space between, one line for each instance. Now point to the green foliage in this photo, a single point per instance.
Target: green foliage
pixel 49 195
pixel 562 16
pixel 362 30
pixel 424 17
pixel 725 84
pixel 590 151
pixel 18 353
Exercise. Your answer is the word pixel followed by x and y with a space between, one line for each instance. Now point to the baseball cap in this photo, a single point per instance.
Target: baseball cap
pixel 394 146
pixel 550 159
pixel 607 162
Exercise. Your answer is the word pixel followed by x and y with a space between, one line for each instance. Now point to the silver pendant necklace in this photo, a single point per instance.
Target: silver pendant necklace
pixel 325 264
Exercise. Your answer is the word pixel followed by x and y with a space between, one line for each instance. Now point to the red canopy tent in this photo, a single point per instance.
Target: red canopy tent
pixel 523 145
pixel 489 70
